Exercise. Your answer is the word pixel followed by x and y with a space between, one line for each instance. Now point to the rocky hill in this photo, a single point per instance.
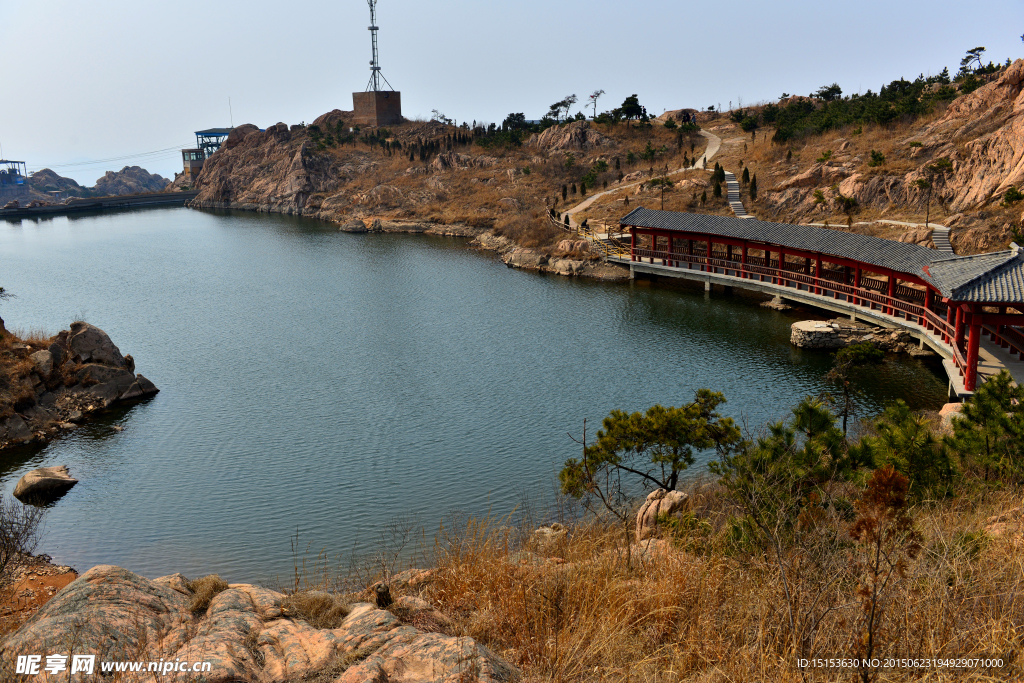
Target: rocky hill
pixel 41 183
pixel 953 162
pixel 129 180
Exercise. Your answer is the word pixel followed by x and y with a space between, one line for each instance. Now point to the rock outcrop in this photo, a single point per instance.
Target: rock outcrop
pixel 840 333
pixel 129 180
pixel 577 135
pixel 659 504
pixel 248 634
pixel 275 171
pixel 981 134
pixel 80 372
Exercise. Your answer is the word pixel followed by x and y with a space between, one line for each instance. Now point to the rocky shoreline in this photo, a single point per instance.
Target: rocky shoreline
pixel 58 383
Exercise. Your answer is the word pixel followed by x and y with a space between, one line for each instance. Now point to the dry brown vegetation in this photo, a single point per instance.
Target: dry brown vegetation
pixel 693 606
pixel 524 180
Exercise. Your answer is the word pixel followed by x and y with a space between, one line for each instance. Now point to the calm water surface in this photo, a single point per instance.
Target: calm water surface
pixel 323 381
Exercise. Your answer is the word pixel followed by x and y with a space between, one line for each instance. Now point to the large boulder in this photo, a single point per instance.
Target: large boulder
pixel 659 503
pixel 14 429
pixel 90 344
pixel 43 361
pixel 43 482
pixel 236 135
pixel 577 135
pixel 245 633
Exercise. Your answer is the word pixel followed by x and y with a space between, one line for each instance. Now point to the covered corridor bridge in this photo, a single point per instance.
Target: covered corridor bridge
pixel 947 301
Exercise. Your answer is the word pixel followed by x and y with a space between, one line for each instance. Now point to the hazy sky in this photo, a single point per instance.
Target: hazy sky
pixel 90 82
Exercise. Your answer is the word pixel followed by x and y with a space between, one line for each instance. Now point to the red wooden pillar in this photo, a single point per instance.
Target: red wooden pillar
pixel 958 331
pixel 782 266
pixel 707 261
pixel 807 266
pixel 743 260
pixel 999 330
pixel 817 274
pixel 973 342
pixel 689 252
pixel 728 252
pixel 892 293
pixel 927 307
pixel 632 243
pixel 856 286
pixel 950 313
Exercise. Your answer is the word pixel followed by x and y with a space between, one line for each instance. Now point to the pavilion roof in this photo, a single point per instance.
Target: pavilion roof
pixel 996 277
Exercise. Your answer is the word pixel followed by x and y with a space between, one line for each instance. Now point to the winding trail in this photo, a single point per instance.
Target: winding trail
pixel 714 144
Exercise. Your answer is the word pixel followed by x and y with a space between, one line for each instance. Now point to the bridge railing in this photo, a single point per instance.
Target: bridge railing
pixel 1009 338
pixel 861 297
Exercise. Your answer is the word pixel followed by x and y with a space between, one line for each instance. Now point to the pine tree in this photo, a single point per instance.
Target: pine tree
pixel 565 191
pixel 789 155
pixel 583 189
pixel 566 220
pixel 573 188
pixel 717 189
pixel 753 187
pixel 703 197
pixel 746 175
pixel 616 163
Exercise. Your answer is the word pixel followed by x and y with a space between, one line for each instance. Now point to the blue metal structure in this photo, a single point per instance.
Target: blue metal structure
pixel 210 140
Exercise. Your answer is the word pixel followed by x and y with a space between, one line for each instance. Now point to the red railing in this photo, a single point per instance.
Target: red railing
pixel 1009 338
pixel 872 296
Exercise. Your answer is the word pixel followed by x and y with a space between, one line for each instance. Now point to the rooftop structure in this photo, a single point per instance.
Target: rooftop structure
pixel 950 300
pixel 211 139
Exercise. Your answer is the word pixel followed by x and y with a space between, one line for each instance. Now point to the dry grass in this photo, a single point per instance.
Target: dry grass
pixel 597 609
pixel 318 608
pixel 204 590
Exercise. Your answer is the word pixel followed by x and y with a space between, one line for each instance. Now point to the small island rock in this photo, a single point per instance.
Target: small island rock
pixel 44 481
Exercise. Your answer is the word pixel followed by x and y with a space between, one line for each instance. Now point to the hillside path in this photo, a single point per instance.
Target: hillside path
pixel 714 144
pixel 940 233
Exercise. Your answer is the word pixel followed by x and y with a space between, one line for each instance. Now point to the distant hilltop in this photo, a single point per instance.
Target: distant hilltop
pixel 129 180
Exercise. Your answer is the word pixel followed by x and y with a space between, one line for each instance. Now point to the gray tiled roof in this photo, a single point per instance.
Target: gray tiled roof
pixel 984 278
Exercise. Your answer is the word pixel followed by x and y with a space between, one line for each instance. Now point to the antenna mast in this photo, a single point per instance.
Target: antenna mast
pixel 375 74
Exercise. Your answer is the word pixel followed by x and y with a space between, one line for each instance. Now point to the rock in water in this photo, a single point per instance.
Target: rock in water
pixel 356 226
pixel 44 481
pixel 659 503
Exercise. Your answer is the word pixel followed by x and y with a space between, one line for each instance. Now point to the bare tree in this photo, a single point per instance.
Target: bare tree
pixel 20 530
pixel 593 100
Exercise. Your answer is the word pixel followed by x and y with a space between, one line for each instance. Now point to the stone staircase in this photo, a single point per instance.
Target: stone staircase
pixel 940 236
pixel 732 188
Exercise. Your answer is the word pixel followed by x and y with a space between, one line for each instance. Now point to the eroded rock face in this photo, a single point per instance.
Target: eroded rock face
pixel 274 171
pixel 659 503
pixel 577 135
pixel 981 134
pixel 244 634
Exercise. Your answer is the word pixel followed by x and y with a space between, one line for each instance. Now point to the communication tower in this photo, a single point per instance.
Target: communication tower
pixel 376 107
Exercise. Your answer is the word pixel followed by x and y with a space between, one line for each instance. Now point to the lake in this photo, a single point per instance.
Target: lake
pixel 328 383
